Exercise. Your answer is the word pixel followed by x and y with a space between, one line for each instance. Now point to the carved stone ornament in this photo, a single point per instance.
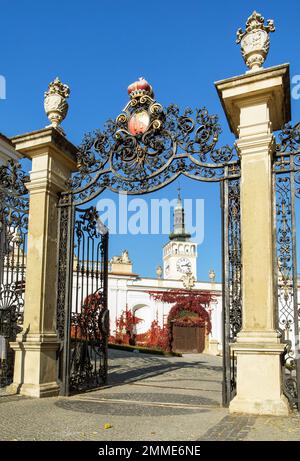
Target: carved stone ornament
pixel 212 275
pixel 188 280
pixel 255 41
pixel 55 102
pixel 123 259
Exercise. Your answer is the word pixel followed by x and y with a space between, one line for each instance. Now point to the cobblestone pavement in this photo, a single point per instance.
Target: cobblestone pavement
pixel 230 428
pixel 148 398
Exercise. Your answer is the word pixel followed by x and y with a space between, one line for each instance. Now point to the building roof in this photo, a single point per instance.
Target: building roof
pixel 6 139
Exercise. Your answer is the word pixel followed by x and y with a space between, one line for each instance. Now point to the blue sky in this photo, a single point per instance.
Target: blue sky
pixel 99 47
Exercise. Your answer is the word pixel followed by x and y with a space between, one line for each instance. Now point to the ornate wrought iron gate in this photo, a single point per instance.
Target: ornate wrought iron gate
pixel 13 238
pixel 286 187
pixel 144 149
pixel 82 314
pixel 232 292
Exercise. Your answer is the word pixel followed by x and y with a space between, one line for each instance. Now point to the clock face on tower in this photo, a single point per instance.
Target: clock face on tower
pixel 183 265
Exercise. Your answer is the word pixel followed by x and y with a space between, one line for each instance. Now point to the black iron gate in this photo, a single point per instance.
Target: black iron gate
pixel 232 273
pixel 144 149
pixel 13 245
pixel 286 187
pixel 82 314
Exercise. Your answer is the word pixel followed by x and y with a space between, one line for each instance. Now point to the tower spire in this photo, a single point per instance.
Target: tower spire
pixel 179 232
pixel 179 190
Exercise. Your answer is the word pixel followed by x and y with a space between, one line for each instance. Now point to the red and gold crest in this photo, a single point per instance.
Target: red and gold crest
pixel 139 123
pixel 141 114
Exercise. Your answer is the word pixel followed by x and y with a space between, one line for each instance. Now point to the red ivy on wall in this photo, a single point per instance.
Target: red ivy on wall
pixel 189 309
pixel 155 337
pixel 125 327
pixel 84 324
pixel 185 301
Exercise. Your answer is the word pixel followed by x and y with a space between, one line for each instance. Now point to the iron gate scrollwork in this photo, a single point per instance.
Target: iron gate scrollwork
pixel 286 187
pixel 174 143
pixel 13 246
pixel 143 150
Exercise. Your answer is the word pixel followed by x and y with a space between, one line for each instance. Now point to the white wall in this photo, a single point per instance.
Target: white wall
pixel 133 291
pixel 7 151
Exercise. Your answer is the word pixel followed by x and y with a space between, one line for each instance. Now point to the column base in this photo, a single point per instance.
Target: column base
pixel 35 368
pixel 278 407
pixel 259 378
pixel 213 347
pixel 40 390
pixel 13 388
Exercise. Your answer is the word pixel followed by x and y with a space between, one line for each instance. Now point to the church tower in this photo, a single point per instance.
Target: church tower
pixel 179 254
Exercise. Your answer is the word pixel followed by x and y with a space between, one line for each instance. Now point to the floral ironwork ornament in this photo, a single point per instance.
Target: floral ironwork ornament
pixel 148 146
pixel 255 41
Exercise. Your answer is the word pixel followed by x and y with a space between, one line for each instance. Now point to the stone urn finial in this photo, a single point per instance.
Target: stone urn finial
pixel 55 102
pixel 255 41
pixel 159 272
pixel 212 275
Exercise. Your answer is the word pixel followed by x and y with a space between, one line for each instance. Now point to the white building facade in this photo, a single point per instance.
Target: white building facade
pixel 179 255
pixel 7 151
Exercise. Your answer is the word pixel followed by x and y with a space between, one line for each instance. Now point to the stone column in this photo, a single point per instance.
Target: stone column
pixel 53 159
pixel 256 104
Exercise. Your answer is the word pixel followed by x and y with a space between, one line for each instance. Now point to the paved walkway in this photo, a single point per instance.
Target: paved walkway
pixel 148 398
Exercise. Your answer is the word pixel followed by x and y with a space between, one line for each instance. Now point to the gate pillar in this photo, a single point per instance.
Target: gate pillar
pixel 53 159
pixel 256 104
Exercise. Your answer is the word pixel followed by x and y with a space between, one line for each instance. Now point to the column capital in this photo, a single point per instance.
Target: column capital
pixel 53 159
pixel 47 141
pixel 268 86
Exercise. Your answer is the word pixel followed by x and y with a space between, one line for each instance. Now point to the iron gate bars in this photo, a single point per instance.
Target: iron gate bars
pixel 286 188
pixel 232 273
pixel 13 246
pixel 118 158
pixel 82 314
